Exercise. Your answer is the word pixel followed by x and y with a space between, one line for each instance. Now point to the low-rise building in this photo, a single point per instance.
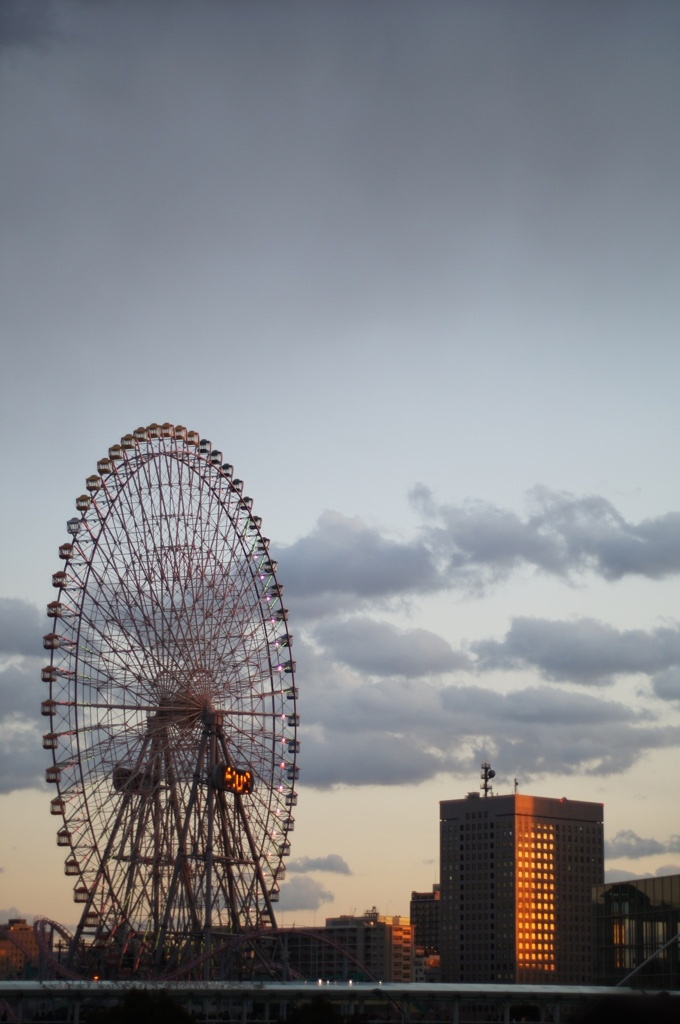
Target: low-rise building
pixel 637 923
pixel 18 948
pixel 424 910
pixel 354 947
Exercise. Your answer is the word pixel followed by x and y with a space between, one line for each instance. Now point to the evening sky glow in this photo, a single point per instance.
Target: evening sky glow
pixel 413 268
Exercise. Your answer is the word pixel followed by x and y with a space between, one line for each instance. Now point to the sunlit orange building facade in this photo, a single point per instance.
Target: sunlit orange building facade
pixel 516 878
pixel 18 949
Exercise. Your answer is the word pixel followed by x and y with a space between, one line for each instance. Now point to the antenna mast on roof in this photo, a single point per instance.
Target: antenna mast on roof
pixel 487 775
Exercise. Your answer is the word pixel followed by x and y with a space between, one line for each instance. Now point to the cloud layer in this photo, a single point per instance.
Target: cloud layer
pixel 583 651
pixel 562 534
pixel 394 705
pixel 21 627
pixel 22 760
pixel 627 843
pixel 473 544
pixel 303 893
pixel 392 730
pixel 379 648
pixel 332 862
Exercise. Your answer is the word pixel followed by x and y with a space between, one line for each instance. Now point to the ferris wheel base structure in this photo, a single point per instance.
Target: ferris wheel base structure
pixel 172 712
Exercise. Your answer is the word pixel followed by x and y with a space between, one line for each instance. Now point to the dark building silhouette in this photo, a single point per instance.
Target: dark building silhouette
pixel 424 911
pixel 633 921
pixel 517 874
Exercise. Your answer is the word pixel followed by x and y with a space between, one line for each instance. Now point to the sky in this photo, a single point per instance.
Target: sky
pixel 414 269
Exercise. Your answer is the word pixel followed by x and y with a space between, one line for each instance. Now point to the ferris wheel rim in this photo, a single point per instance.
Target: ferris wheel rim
pixel 181 701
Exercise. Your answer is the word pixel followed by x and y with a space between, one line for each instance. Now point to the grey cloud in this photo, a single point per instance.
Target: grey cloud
pixel 562 534
pixel 541 730
pixel 332 862
pixel 472 545
pixel 345 555
pixel 627 843
pixel 373 758
pixel 393 732
pixel 614 875
pixel 474 536
pixel 21 761
pixel 20 691
pixel 25 23
pixel 21 627
pixel 584 651
pixel 303 893
pixel 380 648
pixel 538 706
pixel 667 684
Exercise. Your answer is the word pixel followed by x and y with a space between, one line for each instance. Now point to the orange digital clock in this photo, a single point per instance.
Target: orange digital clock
pixel 232 780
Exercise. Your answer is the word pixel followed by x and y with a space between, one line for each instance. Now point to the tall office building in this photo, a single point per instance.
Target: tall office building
pixel 516 878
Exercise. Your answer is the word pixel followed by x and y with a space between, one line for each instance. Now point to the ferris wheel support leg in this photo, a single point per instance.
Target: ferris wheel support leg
pixel 103 869
pixel 230 892
pixel 180 857
pixel 101 872
pixel 211 725
pixel 238 804
pixel 256 858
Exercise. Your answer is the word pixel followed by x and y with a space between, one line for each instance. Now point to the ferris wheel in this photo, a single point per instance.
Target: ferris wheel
pixel 172 707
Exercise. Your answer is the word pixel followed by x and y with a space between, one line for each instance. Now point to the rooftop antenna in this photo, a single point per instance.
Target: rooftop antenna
pixel 487 775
